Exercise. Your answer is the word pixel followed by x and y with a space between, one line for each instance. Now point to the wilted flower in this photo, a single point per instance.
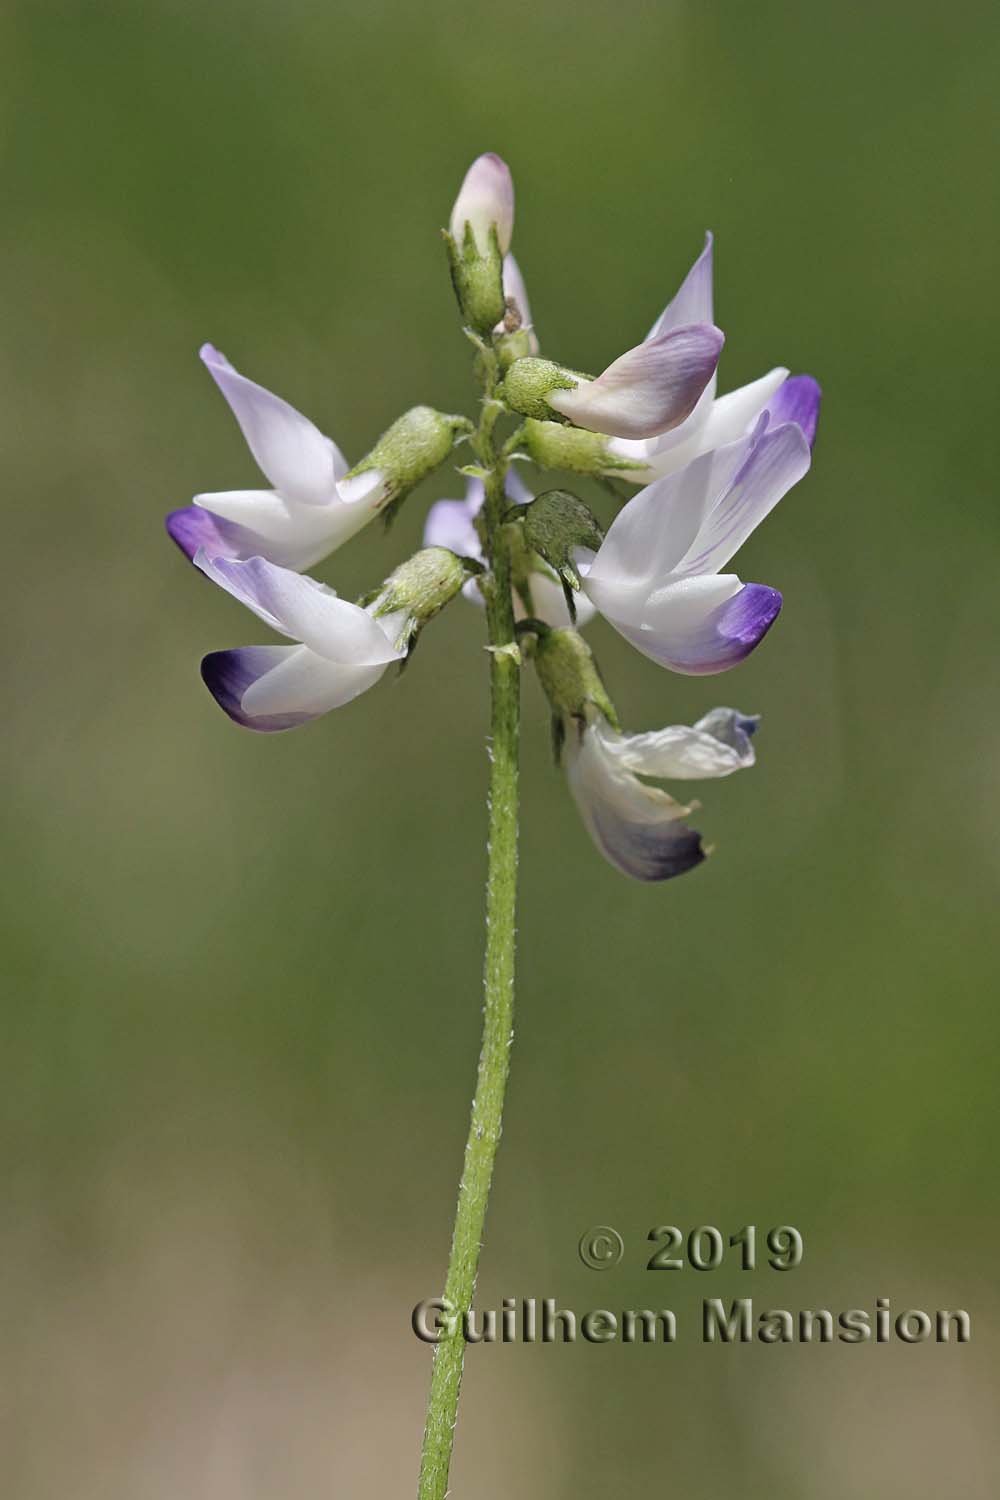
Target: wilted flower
pixel 656 575
pixel 638 828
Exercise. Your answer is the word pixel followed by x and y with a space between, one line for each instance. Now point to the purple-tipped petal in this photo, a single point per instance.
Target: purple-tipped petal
pixel 648 390
pixel 692 303
pixel 193 529
pixel 228 675
pixel 645 851
pixel 697 633
pixel 797 400
pixel 279 687
pixel 298 606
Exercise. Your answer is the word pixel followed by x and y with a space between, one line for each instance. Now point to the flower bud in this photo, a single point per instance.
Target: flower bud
pixel 478 238
pixel 553 446
pixel 414 445
pixel 569 676
pixel 418 590
pixel 485 201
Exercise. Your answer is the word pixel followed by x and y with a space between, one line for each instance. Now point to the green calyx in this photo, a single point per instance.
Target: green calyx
pixel 528 383
pixel 570 678
pixel 557 522
pixel 554 525
pixel 520 344
pixel 420 588
pixel 553 445
pixel 477 277
pixel 415 444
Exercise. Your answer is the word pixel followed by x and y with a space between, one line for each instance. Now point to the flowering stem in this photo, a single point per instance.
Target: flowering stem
pixel 501 891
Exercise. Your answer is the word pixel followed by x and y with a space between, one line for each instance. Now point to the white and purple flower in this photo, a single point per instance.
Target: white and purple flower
pixel 640 829
pixel 646 391
pixel 650 389
pixel 342 649
pixel 714 420
pixel 311 509
pixel 656 577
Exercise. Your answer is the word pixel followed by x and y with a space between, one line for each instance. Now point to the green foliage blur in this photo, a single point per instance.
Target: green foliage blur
pixel 243 1003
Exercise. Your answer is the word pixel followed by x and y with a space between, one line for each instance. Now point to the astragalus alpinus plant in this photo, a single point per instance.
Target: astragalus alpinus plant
pixel 709 469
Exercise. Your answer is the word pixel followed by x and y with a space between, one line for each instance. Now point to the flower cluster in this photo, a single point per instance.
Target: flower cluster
pixel 707 468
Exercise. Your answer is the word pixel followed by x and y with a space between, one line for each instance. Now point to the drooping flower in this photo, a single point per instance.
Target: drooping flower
pixel 715 420
pixel 315 504
pixel 640 829
pixel 452 524
pixel 656 577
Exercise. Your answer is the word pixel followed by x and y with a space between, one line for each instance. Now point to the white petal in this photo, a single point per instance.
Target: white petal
pixel 736 413
pixel 777 460
pixel 649 389
pixel 727 418
pixel 294 536
pixel 306 682
pixel 262 511
pixel 637 828
pixel 710 425
pixel 300 607
pixel 279 687
pixel 685 753
pixel 367 489
pixel 293 453
pixel 654 530
pixel 548 603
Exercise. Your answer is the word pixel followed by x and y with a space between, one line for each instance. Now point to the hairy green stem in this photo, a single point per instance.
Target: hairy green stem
pixel 501 891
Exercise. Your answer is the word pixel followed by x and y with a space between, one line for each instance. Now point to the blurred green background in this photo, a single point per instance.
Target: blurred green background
pixel 242 1013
